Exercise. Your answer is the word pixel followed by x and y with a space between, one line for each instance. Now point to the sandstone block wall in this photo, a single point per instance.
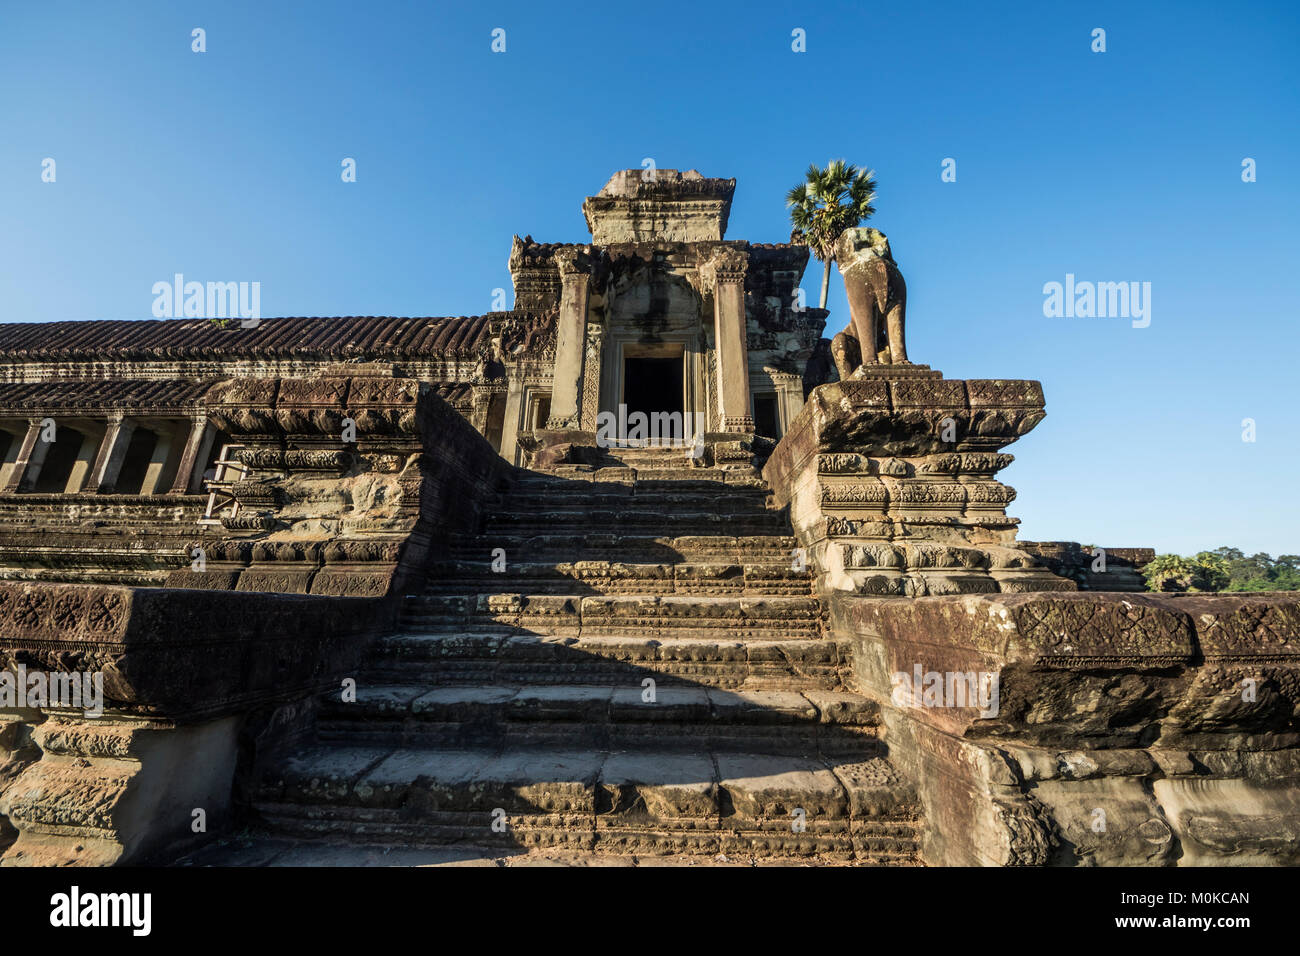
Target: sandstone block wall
pixel 891 487
pixel 352 484
pixel 1126 729
pixel 196 685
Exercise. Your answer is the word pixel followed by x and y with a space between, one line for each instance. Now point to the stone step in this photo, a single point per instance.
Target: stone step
pixel 609 717
pixel 503 655
pixel 737 617
pixel 640 801
pixel 575 503
pixel 632 487
pixel 745 478
pixel 630 453
pixel 647 548
pixel 675 476
pixel 668 522
pixel 640 489
pixel 260 847
pixel 610 577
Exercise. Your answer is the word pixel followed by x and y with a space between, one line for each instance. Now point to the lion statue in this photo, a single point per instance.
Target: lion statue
pixel 877 303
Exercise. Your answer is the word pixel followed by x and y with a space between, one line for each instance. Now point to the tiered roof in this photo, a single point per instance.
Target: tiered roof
pixel 348 336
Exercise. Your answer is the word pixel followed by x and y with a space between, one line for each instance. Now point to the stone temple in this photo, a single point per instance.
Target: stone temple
pixel 647 565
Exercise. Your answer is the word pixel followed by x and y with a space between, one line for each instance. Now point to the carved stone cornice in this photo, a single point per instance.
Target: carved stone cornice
pixel 573 263
pixel 788 379
pixel 727 265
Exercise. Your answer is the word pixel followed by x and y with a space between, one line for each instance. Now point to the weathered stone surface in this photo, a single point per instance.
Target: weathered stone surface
pixel 184 654
pixel 670 206
pixel 660 682
pixel 181 672
pixel 1104 569
pixel 112 791
pixel 661 785
pixel 889 483
pixel 772 788
pixel 1124 729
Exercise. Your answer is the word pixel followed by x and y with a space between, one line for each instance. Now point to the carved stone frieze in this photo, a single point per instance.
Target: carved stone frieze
pixel 921 455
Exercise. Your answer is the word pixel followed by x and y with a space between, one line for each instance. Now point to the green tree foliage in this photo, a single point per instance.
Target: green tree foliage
pixel 1260 572
pixel 1223 569
pixel 829 201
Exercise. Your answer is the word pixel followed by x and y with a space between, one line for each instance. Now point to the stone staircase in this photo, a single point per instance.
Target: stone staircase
pixel 625 660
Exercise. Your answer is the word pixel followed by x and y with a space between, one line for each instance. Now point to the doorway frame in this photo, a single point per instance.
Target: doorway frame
pixel 619 347
pixel 651 350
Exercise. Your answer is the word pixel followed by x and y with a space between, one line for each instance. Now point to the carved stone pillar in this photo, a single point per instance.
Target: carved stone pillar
pixel 514 417
pixel 591 376
pixel 197 447
pixel 31 455
pixel 725 274
pixel 570 340
pixel 789 392
pixel 111 455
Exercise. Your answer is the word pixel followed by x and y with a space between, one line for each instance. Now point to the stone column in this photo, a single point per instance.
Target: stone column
pixel 570 340
pixel 789 392
pixel 31 455
pixel 514 416
pixel 725 273
pixel 111 454
pixel 591 376
pixel 197 447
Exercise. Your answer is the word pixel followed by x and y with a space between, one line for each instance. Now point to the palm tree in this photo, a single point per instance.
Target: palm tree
pixel 831 200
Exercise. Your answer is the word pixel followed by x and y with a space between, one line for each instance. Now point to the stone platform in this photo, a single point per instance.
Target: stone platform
pixel 890 485
pixel 1123 729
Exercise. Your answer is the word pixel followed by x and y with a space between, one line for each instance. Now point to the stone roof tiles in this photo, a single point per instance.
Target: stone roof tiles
pixel 347 336
pixel 456 394
pixel 141 395
pixel 136 394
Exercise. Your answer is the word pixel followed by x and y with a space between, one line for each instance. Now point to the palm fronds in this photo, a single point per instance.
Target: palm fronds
pixel 829 201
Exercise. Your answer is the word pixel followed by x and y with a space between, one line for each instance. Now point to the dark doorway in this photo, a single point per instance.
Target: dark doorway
pixel 767 422
pixel 652 385
pixel 135 466
pixel 495 426
pixel 541 413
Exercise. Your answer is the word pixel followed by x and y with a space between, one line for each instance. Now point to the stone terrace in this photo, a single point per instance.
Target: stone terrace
pixel 525 692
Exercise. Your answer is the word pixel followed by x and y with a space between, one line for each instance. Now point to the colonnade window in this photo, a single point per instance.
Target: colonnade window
pixel 140 454
pixel 61 459
pixel 84 455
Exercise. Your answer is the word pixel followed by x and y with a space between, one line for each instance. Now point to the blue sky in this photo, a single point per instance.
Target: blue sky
pixel 1115 166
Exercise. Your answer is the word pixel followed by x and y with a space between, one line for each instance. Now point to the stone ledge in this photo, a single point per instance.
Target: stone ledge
pixel 192 679
pixel 186 654
pixel 1169 719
